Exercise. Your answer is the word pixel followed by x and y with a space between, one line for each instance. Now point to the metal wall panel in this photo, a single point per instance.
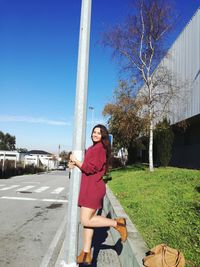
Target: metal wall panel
pixel 184 62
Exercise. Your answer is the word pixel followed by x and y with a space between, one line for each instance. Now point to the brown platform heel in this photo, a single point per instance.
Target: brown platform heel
pixel 85 258
pixel 121 228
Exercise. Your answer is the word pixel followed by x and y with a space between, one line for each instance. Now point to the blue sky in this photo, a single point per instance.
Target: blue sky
pixel 38 62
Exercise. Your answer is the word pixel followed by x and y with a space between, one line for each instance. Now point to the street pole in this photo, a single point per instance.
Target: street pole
pixel 92 113
pixel 58 151
pixel 79 133
pixel 3 164
pixel 15 161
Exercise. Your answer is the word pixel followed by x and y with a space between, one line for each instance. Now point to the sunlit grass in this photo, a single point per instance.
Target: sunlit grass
pixel 164 205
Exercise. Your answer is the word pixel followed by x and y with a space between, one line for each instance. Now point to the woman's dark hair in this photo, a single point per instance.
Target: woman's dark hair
pixel 105 141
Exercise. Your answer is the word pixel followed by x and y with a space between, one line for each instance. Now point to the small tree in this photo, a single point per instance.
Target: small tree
pixel 123 121
pixel 164 137
pixel 64 155
pixel 7 141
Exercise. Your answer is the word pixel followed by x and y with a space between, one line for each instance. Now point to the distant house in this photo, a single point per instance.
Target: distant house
pixel 123 155
pixel 41 158
pixel 11 155
pixel 38 158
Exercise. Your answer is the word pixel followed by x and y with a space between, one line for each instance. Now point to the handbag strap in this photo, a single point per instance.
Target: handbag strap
pixel 178 259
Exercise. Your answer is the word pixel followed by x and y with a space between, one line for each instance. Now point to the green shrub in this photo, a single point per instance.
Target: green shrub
pixel 163 139
pixel 10 171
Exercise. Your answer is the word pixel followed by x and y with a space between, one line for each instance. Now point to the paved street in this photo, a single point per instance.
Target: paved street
pixel 32 208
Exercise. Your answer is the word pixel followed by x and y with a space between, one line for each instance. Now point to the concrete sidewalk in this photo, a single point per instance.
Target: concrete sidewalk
pixel 107 247
pixel 108 254
pixel 104 249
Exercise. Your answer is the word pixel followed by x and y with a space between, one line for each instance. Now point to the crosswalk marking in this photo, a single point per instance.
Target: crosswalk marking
pixel 21 188
pixel 25 188
pixel 41 189
pixel 9 187
pixel 35 199
pixel 31 182
pixel 58 190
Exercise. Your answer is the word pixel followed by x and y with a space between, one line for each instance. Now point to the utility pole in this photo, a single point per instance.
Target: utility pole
pixel 92 111
pixel 79 132
pixel 15 161
pixel 58 151
pixel 3 163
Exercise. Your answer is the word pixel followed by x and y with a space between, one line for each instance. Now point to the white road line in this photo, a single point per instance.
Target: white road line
pixel 30 182
pixel 35 199
pixel 25 188
pixel 19 198
pixel 41 189
pixel 9 187
pixel 54 200
pixel 58 190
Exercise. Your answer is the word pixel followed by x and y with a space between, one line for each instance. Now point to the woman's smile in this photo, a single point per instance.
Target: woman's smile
pixel 96 135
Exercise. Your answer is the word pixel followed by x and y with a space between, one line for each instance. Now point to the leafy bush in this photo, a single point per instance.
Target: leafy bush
pixel 115 162
pixel 163 141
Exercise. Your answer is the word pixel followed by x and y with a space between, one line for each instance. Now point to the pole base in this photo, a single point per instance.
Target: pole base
pixel 64 264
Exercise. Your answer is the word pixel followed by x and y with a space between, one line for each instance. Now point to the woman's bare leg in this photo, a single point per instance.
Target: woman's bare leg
pixel 89 219
pixel 87 238
pixel 87 231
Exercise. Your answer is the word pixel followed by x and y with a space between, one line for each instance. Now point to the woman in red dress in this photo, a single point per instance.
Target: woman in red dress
pixel 92 190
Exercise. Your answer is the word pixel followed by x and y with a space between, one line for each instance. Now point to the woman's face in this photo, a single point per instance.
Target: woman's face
pixel 96 135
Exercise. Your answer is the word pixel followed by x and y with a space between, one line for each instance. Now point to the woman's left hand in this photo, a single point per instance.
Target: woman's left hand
pixel 70 165
pixel 73 158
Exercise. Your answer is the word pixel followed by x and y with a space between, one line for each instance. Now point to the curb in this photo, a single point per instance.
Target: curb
pixel 134 248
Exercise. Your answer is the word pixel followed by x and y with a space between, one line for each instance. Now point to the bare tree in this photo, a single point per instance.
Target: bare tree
pixel 140 43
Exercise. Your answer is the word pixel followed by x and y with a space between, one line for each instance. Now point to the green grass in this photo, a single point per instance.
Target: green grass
pixel 164 206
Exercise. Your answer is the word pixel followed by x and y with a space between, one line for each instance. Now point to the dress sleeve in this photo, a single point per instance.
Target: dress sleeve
pixel 94 162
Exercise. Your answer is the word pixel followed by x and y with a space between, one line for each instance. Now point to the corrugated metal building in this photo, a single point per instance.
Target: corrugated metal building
pixel 184 62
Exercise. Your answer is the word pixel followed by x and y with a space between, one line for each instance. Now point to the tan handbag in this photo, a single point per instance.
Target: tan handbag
pixel 164 256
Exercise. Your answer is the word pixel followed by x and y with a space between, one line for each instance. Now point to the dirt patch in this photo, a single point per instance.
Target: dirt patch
pixel 54 206
pixel 25 192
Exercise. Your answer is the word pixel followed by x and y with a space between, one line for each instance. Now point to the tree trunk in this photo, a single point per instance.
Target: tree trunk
pixel 151 168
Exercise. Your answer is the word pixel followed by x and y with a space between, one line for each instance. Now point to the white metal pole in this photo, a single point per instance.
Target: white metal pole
pixel 79 131
pixel 3 165
pixel 58 151
pixel 16 162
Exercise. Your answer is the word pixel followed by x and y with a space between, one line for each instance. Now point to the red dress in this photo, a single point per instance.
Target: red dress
pixel 92 189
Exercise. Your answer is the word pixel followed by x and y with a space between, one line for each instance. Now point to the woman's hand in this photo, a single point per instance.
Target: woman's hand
pixel 70 165
pixel 73 159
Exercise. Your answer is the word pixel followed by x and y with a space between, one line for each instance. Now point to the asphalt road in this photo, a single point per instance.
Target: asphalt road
pixel 32 208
